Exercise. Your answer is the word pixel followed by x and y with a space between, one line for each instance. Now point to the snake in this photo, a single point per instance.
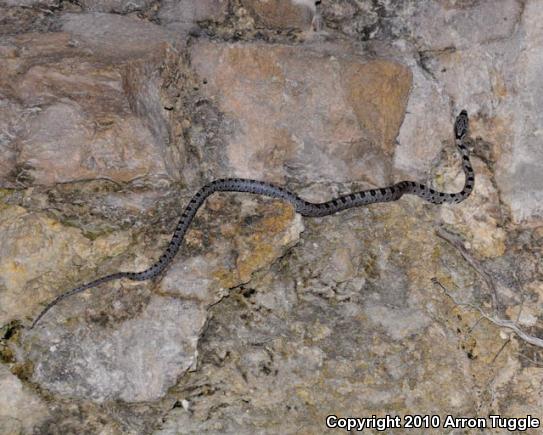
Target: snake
pixel 303 207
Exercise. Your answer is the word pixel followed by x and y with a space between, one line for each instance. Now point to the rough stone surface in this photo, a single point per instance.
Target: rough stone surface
pixel 184 15
pixel 114 113
pixel 137 359
pixel 30 248
pixel 318 118
pixel 116 6
pixel 281 13
pixel 470 25
pixel 92 129
pixel 20 409
pixel 115 35
pixel 134 362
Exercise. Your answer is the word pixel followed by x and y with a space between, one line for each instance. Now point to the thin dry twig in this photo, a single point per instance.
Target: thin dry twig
pixel 531 360
pixel 474 263
pixel 497 321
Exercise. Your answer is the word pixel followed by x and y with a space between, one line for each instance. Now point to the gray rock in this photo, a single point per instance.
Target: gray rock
pixel 184 15
pixel 255 327
pixel 20 408
pixel 115 35
pixel 136 361
pixel 116 6
pixel 437 25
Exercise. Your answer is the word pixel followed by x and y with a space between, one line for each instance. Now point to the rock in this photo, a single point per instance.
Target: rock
pixel 465 26
pixel 135 362
pixel 273 228
pixel 526 385
pixel 184 15
pixel 109 122
pixel 36 3
pixel 148 345
pixel 520 167
pixel 501 98
pixel 115 35
pixel 10 112
pixel 35 250
pixel 64 152
pixel 313 335
pixel 22 19
pixel 413 156
pixel 20 409
pixel 282 14
pixel 74 120
pixel 485 232
pixel 317 118
pixel 115 6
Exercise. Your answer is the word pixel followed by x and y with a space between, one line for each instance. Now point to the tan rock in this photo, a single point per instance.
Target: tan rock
pixel 527 396
pixel 311 114
pixel 36 253
pixel 76 120
pixel 481 219
pixel 137 358
pixel 10 113
pixel 74 147
pixel 282 14
pixel 245 249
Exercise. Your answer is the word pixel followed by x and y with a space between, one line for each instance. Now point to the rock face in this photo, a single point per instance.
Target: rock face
pixel 281 14
pixel 114 113
pixel 184 15
pixel 21 409
pixel 293 134
pixel 92 130
pixel 137 359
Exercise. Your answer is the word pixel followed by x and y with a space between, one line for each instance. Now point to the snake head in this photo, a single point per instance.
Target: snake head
pixel 461 125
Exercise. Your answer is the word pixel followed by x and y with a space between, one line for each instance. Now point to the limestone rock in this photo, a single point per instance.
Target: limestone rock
pixel 115 35
pixel 30 3
pixel 520 170
pixel 321 335
pixel 413 154
pixel 35 249
pixel 30 251
pixel 273 228
pixel 115 6
pixel 137 357
pixel 20 409
pixel 465 26
pixel 184 15
pixel 9 128
pixel 282 14
pixel 137 361
pixel 109 122
pixel 503 98
pixel 317 118
pixel 73 120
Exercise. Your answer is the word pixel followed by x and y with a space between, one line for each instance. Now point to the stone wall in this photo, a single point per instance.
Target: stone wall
pixel 114 113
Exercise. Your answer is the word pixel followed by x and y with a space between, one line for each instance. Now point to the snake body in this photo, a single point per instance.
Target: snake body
pixel 305 208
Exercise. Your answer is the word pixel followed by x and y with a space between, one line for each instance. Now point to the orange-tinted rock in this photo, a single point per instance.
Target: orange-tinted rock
pixel 75 115
pixel 316 114
pixel 282 14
